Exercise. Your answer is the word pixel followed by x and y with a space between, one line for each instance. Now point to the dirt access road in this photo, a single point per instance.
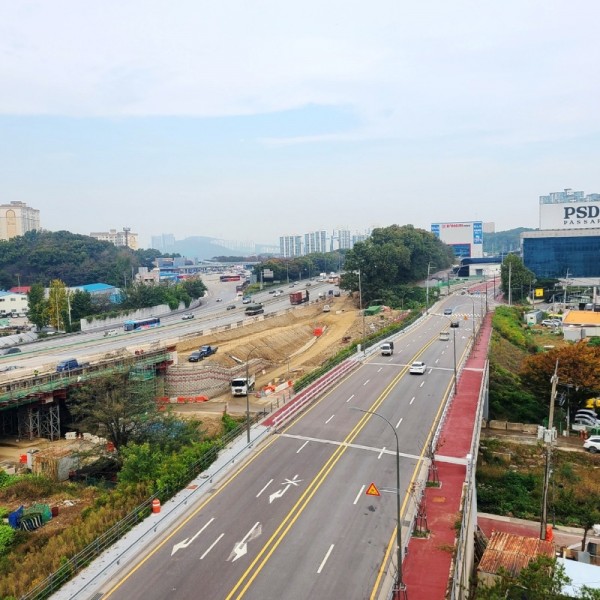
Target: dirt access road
pixel 286 344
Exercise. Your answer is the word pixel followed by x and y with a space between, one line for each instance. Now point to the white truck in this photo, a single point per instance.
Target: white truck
pixel 240 386
pixel 387 348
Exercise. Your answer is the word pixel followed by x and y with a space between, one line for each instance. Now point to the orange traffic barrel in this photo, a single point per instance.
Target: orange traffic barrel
pixel 156 505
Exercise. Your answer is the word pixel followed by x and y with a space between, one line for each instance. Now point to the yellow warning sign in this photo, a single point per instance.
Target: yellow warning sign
pixel 372 490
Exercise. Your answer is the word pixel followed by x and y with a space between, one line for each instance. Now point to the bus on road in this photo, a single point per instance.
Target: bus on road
pixel 141 324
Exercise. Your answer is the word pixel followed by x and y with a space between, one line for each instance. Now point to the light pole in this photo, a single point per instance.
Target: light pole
pixel 399 587
pixel 427 289
pixel 362 311
pixel 247 393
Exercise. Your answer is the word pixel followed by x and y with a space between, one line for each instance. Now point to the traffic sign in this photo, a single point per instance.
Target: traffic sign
pixel 372 490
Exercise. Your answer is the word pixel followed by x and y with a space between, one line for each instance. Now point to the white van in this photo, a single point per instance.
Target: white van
pixel 444 336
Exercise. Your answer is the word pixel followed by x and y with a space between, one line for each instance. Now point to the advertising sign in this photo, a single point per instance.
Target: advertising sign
pixel 570 215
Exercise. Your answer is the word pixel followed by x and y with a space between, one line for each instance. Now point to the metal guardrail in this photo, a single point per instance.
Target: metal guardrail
pixel 93 550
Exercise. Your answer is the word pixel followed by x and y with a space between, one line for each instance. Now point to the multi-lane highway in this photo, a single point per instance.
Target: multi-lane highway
pixel 294 521
pixel 209 314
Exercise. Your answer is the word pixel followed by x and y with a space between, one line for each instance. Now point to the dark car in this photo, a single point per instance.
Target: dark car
pixel 231 307
pixel 454 323
pixel 195 356
pixel 13 351
pixel 447 311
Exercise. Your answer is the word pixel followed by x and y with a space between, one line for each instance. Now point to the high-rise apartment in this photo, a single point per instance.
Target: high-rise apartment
pixel 290 246
pixel 315 241
pixel 125 238
pixel 16 219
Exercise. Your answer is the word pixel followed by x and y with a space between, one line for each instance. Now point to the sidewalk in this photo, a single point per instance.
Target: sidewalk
pixel 428 561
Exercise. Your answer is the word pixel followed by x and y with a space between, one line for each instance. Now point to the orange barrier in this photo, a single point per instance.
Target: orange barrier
pixel 156 505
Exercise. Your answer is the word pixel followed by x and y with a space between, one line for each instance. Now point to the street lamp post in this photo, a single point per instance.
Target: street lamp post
pixel 360 304
pixel 400 592
pixel 247 393
pixel 427 289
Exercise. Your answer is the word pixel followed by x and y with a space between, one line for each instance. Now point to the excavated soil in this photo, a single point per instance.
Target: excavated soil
pixel 288 344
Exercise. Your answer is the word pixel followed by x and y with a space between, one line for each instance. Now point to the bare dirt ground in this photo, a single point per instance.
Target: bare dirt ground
pixel 287 344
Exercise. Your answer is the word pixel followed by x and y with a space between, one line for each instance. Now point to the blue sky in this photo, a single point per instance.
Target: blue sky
pixel 250 120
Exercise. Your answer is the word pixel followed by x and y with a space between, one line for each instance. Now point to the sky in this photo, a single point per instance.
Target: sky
pixel 251 119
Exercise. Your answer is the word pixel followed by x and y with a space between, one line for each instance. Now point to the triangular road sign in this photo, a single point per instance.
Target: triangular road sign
pixel 372 490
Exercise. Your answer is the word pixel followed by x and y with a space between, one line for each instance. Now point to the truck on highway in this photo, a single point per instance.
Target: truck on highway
pixel 240 386
pixel 206 351
pixel 299 297
pixel 70 364
pixel 254 309
pixel 387 348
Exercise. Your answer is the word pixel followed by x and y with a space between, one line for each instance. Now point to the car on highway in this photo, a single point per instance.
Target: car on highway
pixel 246 300
pixel 592 444
pixel 195 356
pixel 187 316
pixel 230 306
pixel 219 300
pixel 454 323
pixel 278 293
pixel 12 351
pixel 417 368
pixel 447 311
pixel 271 291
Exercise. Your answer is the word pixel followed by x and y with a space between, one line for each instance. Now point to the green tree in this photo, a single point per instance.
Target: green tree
pixel 521 278
pixel 392 258
pixel 115 407
pixel 38 306
pixel 81 305
pixel 58 304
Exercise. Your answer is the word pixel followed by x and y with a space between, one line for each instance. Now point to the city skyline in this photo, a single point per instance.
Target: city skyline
pixel 181 118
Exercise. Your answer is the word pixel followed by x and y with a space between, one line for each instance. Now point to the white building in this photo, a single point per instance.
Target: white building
pixel 290 246
pixel 13 304
pixel 315 241
pixel 16 219
pixel 466 237
pixel 124 239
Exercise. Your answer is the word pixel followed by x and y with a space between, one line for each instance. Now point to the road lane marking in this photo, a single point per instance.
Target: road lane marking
pixel 350 398
pixel 437 360
pixel 241 548
pixel 185 543
pixel 362 489
pixel 331 417
pixel 380 369
pixel 412 400
pixel 400 421
pixel 325 558
pixel 211 546
pixel 301 447
pixel 365 383
pixel 266 486
pixel 287 483
pixel 381 453
pixel 423 383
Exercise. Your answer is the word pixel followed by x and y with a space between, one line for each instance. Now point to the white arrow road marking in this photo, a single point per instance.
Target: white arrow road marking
pixel 188 541
pixel 287 483
pixel 240 548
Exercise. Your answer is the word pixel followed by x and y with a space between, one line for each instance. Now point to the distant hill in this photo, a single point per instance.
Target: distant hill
pixel 502 242
pixel 200 247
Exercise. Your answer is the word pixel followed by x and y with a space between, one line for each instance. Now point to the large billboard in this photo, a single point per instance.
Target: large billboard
pixel 570 215
pixel 466 237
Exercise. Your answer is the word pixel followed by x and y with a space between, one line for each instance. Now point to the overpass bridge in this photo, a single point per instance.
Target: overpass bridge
pixel 30 404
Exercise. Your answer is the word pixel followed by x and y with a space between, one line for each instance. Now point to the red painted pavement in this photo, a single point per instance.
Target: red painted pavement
pixel 426 567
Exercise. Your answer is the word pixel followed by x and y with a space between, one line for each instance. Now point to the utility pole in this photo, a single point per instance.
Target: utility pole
pixel 565 290
pixel 510 283
pixel 549 438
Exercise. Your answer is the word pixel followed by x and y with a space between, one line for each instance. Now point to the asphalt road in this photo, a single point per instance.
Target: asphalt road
pixel 44 354
pixel 294 521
